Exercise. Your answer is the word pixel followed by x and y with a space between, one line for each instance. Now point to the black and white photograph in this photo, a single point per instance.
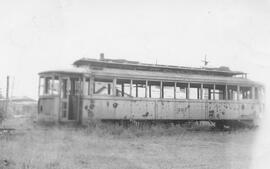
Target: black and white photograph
pixel 134 84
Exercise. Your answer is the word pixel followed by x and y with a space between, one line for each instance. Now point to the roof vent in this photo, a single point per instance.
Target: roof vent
pixel 101 56
pixel 224 68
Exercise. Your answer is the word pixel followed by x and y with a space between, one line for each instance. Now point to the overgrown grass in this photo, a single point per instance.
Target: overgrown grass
pixel 106 129
pixel 102 129
pixel 106 146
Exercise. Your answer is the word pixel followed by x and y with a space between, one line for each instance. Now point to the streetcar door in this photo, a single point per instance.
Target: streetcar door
pixel 69 98
pixel 74 96
pixel 64 84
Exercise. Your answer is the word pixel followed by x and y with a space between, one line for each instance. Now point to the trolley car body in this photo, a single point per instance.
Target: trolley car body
pixel 109 89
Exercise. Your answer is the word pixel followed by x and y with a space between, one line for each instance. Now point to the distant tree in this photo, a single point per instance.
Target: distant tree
pixel 1 95
pixel 2 110
pixel 2 114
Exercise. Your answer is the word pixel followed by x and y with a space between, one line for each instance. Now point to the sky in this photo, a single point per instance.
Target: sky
pixel 40 35
pixel 43 35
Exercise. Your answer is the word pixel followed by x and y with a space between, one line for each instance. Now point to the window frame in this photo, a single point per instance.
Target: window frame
pixel 177 89
pixel 110 86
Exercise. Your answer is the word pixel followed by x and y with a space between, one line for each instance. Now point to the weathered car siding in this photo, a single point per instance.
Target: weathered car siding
pixel 148 109
pixel 48 108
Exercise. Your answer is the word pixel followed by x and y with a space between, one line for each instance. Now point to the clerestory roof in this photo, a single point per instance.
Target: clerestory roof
pixel 133 65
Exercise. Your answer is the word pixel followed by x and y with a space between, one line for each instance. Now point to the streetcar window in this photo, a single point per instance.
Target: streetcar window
pixel 86 86
pixel 138 88
pixel 181 90
pixel 194 91
pixel 123 88
pixel 48 85
pixel 103 86
pixel 245 93
pixel 262 93
pixel 232 92
pixel 75 86
pixel 208 91
pixel 153 89
pixel 168 90
pixel 256 94
pixel 64 88
pixel 220 92
pixel 55 86
pixel 41 86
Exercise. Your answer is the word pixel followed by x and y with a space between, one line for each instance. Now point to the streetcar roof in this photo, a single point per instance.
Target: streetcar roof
pixel 133 65
pixel 74 70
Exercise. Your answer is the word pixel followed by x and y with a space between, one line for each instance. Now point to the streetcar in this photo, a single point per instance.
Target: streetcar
pixel 121 90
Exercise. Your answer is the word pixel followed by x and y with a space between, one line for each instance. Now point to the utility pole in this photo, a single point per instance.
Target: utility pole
pixel 7 94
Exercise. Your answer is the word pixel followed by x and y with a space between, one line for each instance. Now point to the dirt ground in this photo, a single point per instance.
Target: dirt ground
pixel 53 147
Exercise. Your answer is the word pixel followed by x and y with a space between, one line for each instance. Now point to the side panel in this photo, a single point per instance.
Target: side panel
pixel 143 110
pixel 249 110
pixel 106 109
pixel 48 108
pixel 240 110
pixel 166 110
pixel 146 109
pixel 120 109
pixel 100 109
pixel 197 110
pixel 182 110
pixel 222 110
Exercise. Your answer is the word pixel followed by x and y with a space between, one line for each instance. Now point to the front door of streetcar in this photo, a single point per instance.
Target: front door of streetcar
pixel 69 98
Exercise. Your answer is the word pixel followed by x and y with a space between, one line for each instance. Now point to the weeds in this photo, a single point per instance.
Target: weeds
pixel 107 145
pixel 116 130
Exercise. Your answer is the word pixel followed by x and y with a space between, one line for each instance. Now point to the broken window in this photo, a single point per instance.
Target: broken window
pixel 138 88
pixel 153 89
pixel 232 92
pixel 123 88
pixel 181 90
pixel 245 93
pixel 194 91
pixel 208 92
pixel 103 86
pixel 168 90
pixel 220 92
